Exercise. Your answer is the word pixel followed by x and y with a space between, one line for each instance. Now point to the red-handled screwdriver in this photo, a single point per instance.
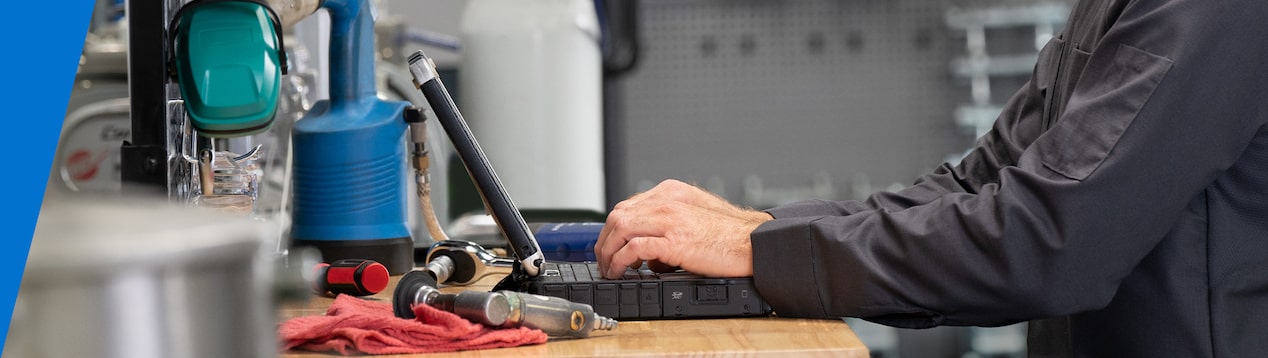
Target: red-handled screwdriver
pixel 355 277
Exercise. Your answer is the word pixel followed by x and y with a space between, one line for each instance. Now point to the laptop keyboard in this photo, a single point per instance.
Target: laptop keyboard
pixel 589 271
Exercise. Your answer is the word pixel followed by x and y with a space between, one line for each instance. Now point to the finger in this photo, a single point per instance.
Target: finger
pixel 661 267
pixel 642 248
pixel 616 230
pixel 670 190
pixel 673 190
pixel 638 264
pixel 608 243
pixel 653 219
pixel 633 199
pixel 613 215
pixel 655 193
pixel 604 232
pixel 666 190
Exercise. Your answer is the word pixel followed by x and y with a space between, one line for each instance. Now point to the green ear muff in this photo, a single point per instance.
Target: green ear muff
pixel 228 60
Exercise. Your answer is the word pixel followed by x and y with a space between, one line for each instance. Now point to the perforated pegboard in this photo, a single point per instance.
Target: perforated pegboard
pixel 786 90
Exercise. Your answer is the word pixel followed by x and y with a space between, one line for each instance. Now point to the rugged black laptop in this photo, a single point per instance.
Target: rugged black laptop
pixel 642 294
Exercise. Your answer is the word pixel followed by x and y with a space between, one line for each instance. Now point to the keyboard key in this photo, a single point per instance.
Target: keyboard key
pixel 605 294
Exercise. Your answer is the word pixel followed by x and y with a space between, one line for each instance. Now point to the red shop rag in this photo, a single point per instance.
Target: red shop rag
pixel 357 326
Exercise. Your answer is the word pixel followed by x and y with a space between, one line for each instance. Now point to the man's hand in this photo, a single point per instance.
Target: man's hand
pixel 677 224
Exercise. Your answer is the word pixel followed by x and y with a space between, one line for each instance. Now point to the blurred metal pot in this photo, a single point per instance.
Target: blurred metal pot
pixel 115 277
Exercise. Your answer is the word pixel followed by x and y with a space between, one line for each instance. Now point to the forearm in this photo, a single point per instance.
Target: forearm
pixel 942 181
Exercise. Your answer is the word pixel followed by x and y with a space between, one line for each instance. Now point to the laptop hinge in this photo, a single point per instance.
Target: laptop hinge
pixel 512 282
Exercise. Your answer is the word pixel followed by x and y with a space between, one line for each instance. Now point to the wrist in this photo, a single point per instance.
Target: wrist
pixel 759 217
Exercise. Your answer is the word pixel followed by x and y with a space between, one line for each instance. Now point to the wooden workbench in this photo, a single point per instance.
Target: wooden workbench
pixel 766 336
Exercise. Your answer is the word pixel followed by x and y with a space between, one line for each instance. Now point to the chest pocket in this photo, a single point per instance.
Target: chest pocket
pixel 1063 72
pixel 1104 100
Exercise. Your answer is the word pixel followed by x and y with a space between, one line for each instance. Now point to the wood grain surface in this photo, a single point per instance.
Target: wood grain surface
pixel 745 337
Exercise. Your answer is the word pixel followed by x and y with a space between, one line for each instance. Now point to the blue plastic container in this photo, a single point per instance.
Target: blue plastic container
pixel 349 156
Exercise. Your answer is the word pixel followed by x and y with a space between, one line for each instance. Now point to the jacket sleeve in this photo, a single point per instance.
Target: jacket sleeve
pixel 1036 225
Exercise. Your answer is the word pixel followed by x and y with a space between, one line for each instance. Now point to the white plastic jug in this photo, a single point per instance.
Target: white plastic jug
pixel 530 81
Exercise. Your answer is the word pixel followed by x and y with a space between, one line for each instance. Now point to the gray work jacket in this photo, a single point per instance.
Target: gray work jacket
pixel 1119 204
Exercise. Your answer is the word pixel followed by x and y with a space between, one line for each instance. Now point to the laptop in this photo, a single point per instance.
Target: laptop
pixel 640 295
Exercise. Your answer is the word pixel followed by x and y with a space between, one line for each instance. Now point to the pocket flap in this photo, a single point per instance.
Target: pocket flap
pixel 1105 102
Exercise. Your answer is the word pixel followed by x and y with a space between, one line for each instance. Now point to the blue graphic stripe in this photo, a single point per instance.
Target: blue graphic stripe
pixel 41 54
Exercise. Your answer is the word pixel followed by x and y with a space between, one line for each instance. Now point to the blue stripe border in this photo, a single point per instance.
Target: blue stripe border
pixel 43 44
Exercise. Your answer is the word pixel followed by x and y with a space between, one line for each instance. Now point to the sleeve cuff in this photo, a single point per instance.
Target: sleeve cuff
pixel 787 270
pixel 784 265
pixel 806 208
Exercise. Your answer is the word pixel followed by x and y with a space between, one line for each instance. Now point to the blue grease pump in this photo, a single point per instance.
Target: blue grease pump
pixel 349 155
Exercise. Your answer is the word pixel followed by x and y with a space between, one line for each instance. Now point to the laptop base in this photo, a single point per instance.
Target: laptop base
pixel 675 295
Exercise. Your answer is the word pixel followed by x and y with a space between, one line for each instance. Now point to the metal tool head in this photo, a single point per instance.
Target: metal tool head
pixel 415 287
pixel 470 262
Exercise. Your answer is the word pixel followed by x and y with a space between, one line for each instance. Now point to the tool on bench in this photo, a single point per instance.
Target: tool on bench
pixel 464 263
pixel 354 277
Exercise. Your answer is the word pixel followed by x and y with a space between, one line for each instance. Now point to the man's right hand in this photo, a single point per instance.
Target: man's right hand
pixel 678 225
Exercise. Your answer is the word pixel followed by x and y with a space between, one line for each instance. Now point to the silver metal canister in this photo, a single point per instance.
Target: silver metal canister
pixel 123 277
